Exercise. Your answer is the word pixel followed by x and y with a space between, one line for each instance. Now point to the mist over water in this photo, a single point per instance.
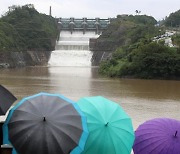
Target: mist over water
pixel 72 49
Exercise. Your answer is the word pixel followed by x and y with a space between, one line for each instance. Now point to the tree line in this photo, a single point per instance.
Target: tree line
pixel 24 28
pixel 136 54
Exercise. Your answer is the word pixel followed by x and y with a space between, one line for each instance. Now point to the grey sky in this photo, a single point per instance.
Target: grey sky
pixel 98 8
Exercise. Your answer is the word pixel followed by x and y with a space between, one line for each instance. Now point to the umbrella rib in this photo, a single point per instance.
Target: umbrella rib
pixel 117 107
pixel 94 129
pixel 164 123
pixel 19 110
pixel 31 134
pixel 152 124
pixel 21 132
pixel 147 132
pixel 25 128
pixel 112 141
pixel 94 139
pixel 92 116
pixel 124 130
pixel 65 104
pixel 127 118
pixel 64 133
pixel 157 135
pixel 98 111
pixel 171 151
pixel 122 141
pixel 157 128
pixel 62 106
pixel 56 140
pixel 162 143
pixel 19 121
pixel 149 144
pixel 32 106
pixel 146 139
pixel 90 122
pixel 68 115
pixel 67 124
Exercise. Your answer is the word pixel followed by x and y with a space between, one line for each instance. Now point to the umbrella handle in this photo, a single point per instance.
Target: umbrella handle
pixel 175 135
pixel 106 123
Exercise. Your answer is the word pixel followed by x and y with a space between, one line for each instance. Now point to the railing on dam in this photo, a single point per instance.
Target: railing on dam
pixel 84 24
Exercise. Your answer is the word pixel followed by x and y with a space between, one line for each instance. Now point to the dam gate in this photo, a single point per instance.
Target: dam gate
pixel 83 24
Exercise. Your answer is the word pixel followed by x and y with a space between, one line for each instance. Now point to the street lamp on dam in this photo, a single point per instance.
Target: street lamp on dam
pixel 84 25
pixel 71 24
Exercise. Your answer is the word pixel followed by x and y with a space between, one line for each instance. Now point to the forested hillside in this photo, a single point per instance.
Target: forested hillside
pixel 23 28
pixel 173 20
pixel 135 53
pixel 127 30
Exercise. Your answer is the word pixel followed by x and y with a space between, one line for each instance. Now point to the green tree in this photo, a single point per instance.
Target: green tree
pixel 173 20
pixel 150 60
pixel 34 31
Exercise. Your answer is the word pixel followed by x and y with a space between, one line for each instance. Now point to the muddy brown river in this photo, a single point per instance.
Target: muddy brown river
pixel 141 99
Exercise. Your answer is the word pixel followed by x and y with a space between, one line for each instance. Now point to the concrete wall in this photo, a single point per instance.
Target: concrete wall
pixel 21 59
pixel 101 51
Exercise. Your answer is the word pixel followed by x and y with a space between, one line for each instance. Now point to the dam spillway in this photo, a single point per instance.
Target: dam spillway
pixel 72 49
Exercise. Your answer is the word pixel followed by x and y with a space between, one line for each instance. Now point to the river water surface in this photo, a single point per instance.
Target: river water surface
pixel 141 99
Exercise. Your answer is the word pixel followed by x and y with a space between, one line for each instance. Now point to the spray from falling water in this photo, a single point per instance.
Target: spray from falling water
pixel 72 49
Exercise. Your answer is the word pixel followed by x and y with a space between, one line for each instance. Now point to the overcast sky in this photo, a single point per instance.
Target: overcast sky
pixel 98 8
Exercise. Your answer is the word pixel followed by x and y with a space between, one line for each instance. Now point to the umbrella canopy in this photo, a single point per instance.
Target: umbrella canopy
pixel 46 124
pixel 6 100
pixel 110 128
pixel 158 136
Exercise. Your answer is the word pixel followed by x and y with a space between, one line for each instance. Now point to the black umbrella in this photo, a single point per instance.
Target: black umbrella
pixel 6 100
pixel 46 124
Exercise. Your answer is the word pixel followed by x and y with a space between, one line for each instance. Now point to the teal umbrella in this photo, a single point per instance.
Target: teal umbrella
pixel 110 128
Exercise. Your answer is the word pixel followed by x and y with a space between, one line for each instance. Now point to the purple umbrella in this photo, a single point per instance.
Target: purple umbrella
pixel 158 136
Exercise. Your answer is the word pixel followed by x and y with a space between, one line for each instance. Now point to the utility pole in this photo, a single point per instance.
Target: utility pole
pixel 50 11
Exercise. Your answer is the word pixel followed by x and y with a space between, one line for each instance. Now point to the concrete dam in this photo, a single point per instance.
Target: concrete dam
pixel 72 46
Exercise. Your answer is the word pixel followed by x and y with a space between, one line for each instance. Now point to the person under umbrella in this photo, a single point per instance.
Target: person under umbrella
pixel 158 136
pixel 46 124
pixel 6 100
pixel 110 128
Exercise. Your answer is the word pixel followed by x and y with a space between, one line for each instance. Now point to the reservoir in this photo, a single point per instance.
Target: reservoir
pixel 141 99
pixel 70 73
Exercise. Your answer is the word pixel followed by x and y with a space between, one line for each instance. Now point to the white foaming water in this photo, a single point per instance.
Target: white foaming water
pixel 72 49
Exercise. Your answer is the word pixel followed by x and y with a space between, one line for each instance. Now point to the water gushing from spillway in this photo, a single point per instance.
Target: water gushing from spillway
pixel 72 49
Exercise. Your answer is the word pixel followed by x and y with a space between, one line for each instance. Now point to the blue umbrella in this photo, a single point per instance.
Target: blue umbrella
pixel 110 128
pixel 46 124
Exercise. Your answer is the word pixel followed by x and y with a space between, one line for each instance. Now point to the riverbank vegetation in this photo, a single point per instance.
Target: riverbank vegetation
pixel 136 54
pixel 23 28
pixel 151 60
